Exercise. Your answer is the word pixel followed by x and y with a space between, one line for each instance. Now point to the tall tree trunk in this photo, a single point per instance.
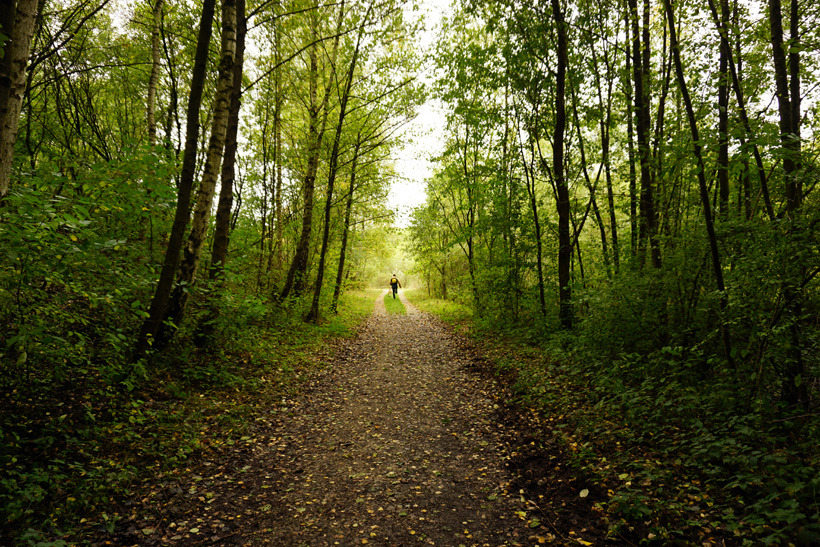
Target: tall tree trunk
pixel 159 304
pixel 192 252
pixel 172 116
pixel 313 314
pixel 337 289
pixel 529 177
pixel 18 24
pixel 297 273
pixel 605 125
pixel 222 228
pixel 630 141
pixel 723 116
pixel 266 237
pixel 562 189
pixel 592 189
pixel 277 250
pixel 471 251
pixel 787 80
pixel 153 81
pixel 647 227
pixel 702 185
pixel 744 117
pixel 788 99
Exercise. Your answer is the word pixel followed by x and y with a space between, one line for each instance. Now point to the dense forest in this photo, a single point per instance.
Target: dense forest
pixel 192 193
pixel 632 186
pixel 183 184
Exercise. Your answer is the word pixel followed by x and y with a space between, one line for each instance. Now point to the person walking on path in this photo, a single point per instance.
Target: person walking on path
pixel 394 284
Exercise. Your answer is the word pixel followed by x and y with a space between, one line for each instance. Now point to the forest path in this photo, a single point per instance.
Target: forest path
pixel 400 442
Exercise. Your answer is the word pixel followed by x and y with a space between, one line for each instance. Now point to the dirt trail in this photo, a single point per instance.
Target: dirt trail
pixel 400 444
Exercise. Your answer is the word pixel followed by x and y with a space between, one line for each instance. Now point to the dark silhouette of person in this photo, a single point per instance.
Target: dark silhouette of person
pixel 394 284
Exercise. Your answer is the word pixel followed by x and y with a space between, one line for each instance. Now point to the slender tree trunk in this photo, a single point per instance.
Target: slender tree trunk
pixel 562 189
pixel 172 116
pixel 337 290
pixel 702 185
pixel 192 252
pixel 605 125
pixel 471 253
pixel 266 238
pixel 298 268
pixel 744 117
pixel 297 273
pixel 18 24
pixel 788 92
pixel 278 250
pixel 529 175
pixel 159 304
pixel 222 228
pixel 592 189
pixel 640 66
pixel 787 79
pixel 723 116
pixel 153 81
pixel 278 247
pixel 630 138
pixel 313 314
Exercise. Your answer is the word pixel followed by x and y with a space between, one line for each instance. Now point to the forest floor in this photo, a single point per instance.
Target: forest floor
pixel 405 438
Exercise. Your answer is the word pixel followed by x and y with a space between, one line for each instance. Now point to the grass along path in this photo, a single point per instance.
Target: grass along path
pixel 393 305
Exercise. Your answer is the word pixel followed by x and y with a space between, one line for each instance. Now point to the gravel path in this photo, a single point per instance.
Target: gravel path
pixel 399 443
pixel 402 451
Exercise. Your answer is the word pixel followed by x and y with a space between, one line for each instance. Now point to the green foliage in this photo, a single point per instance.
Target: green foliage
pixel 66 459
pixel 450 312
pixel 679 454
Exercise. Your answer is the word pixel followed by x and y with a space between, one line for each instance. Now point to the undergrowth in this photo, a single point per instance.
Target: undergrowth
pixel 677 459
pixel 450 312
pixel 69 449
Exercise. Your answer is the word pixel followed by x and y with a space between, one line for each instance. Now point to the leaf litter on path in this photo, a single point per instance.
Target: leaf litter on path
pixel 400 441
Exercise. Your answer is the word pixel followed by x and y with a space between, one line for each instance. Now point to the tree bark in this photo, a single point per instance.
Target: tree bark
pixel 702 185
pixel 647 228
pixel 723 116
pixel 562 189
pixel 297 272
pixel 337 289
pixel 192 252
pixel 630 138
pixel 154 79
pixel 222 228
pixel 159 304
pixel 18 23
pixel 788 99
pixel 787 80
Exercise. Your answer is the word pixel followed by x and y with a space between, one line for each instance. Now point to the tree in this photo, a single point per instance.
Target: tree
pixel 313 314
pixel 17 21
pixel 152 325
pixel 317 124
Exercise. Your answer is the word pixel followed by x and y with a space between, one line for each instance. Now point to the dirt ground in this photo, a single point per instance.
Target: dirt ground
pixel 405 439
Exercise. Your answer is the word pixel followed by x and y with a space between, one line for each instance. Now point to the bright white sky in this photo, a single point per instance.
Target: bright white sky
pixel 424 133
